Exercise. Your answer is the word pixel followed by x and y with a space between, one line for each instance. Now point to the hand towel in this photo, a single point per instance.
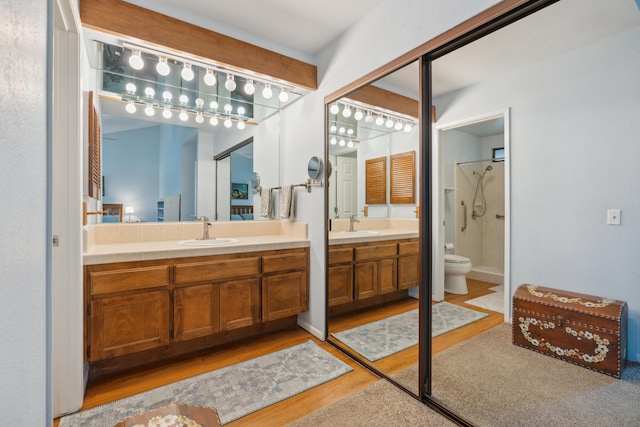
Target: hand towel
pixel 286 202
pixel 265 202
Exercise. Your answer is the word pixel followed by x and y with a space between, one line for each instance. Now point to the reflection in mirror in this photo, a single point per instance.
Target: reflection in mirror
pixel 314 167
pixel 373 263
pixel 162 125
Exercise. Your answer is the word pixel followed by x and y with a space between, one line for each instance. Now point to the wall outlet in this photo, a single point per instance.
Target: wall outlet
pixel 613 216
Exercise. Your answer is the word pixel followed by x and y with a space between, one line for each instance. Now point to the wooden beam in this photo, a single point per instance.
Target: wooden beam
pixel 382 98
pixel 138 25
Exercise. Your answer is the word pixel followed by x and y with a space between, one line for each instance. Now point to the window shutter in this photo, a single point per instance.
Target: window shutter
pixel 403 178
pixel 376 181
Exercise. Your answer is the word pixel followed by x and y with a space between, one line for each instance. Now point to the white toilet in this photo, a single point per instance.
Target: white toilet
pixel 456 268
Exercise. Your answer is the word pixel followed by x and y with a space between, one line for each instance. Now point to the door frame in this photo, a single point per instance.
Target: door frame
pixel 438 241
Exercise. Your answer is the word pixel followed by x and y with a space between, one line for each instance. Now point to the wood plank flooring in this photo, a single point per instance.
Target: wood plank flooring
pixel 118 387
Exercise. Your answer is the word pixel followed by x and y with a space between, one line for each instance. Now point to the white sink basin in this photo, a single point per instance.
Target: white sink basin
pixel 220 241
pixel 358 233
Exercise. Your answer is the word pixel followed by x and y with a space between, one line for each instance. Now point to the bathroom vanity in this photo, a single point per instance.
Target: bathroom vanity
pixel 148 301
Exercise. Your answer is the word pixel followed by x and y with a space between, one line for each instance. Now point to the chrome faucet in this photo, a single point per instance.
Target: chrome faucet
pixel 206 225
pixel 352 219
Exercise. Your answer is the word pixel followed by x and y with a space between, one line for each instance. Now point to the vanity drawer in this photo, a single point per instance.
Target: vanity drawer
pixel 340 256
pixel 284 262
pixel 374 252
pixel 408 248
pixel 102 282
pixel 216 270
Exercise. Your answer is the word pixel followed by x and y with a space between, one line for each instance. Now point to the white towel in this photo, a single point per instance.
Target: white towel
pixel 265 202
pixel 286 202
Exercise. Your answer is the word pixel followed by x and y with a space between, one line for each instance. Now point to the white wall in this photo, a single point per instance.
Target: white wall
pixel 25 354
pixel 574 154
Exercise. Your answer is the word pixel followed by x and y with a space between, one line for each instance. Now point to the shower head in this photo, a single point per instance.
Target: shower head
pixel 488 168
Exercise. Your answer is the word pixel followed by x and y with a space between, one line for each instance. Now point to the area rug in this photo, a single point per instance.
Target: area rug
pixel 493 301
pixel 235 390
pixel 385 337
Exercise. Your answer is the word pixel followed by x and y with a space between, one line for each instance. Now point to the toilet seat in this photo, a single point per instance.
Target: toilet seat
pixel 455 259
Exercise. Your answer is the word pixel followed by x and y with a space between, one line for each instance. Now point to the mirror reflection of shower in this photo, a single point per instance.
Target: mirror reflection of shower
pixel 479 200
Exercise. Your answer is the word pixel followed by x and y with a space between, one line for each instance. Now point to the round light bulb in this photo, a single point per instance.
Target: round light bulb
pixel 346 112
pixel 183 115
pixel 149 92
pixel 358 115
pixel 241 111
pixel 230 84
pixel 267 93
pixel 342 143
pixel 149 111
pixel 184 99
pixel 349 132
pixel 210 78
pixel 228 108
pixel 131 107
pixel 389 123
pixel 379 120
pixel 334 109
pixel 166 113
pixel 213 105
pixel 131 88
pixel 162 67
pixel 135 60
pixel 408 127
pixel 166 95
pixel 249 88
pixel 241 125
pixel 227 123
pixel 398 125
pixel 214 121
pixel 350 144
pixel 199 102
pixel 199 118
pixel 341 130
pixel 369 117
pixel 187 72
pixel 333 129
pixel 284 95
pixel 333 140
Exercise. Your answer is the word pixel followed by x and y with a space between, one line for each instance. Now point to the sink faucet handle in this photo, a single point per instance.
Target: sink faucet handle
pixel 202 218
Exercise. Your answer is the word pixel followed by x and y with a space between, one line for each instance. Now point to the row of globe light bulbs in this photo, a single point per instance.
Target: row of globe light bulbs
pixel 397 124
pixel 137 63
pixel 341 142
pixel 183 115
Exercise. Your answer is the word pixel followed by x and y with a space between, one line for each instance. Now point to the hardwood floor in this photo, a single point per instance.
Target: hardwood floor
pixel 118 387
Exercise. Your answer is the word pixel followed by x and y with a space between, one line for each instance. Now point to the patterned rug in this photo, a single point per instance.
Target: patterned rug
pixel 235 390
pixel 385 337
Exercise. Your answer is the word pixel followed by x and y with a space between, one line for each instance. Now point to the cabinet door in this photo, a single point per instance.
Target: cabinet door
pixel 239 304
pixel 284 295
pixel 366 279
pixel 340 284
pixel 125 324
pixel 408 271
pixel 196 312
pixel 387 276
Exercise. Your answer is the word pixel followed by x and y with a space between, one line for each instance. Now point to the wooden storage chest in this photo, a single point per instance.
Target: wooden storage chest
pixel 586 330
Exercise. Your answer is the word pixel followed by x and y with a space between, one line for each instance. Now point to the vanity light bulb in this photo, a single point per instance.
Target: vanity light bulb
pixel 379 120
pixel 210 78
pixel 408 127
pixel 162 67
pixel 131 107
pixel 149 111
pixel 358 115
pixel 389 123
pixel 399 125
pixel 227 123
pixel 183 115
pixel 241 125
pixel 241 111
pixel 199 102
pixel 267 93
pixel 369 117
pixel 230 84
pixel 228 108
pixel 131 88
pixel 350 144
pixel 346 112
pixel 284 95
pixel 166 95
pixel 333 140
pixel 333 129
pixel 249 88
pixel 349 132
pixel 214 121
pixel 149 92
pixel 213 105
pixel 187 72
pixel 135 60
pixel 334 109
pixel 166 113
pixel 199 118
pixel 184 99
pixel 342 143
pixel 341 130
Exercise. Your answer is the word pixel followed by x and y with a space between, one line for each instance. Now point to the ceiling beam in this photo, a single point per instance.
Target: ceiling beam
pixel 377 97
pixel 142 26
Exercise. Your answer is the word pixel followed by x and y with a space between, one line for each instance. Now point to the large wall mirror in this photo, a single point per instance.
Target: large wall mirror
pixel 373 271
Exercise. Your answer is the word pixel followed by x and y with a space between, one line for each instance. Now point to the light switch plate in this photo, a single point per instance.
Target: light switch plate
pixel 613 216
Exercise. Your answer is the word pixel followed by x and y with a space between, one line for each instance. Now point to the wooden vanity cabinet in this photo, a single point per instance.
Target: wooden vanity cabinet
pixel 340 276
pixel 408 265
pixel 284 285
pixel 375 269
